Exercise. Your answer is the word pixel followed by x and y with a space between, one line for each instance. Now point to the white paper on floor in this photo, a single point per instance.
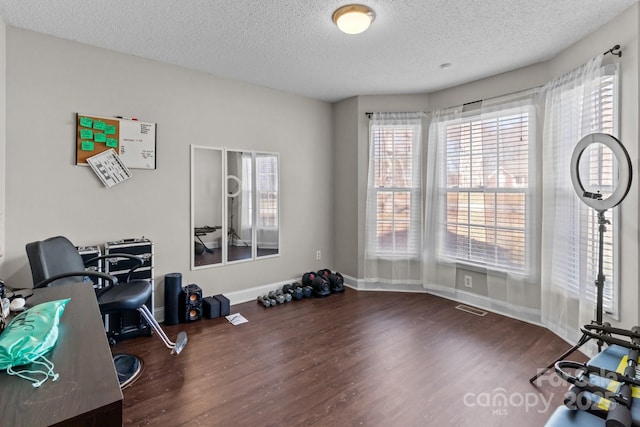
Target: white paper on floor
pixel 236 319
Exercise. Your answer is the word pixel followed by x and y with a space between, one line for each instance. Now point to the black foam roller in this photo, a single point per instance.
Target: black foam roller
pixel 172 291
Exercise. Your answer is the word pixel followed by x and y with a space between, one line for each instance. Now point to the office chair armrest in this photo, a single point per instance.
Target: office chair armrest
pixel 93 274
pixel 138 259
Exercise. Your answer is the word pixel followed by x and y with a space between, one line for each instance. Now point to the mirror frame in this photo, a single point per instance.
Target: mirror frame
pixel 224 177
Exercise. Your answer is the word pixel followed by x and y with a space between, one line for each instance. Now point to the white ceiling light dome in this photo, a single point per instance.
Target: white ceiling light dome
pixel 353 18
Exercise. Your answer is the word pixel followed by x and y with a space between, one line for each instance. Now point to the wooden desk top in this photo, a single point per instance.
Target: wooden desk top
pixel 87 391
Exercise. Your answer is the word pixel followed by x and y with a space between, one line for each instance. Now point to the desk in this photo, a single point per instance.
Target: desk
pixel 87 392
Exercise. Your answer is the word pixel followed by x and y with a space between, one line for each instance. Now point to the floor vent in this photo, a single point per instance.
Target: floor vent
pixel 471 310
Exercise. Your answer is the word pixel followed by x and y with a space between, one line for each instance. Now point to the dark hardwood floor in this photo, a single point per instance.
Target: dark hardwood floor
pixel 352 359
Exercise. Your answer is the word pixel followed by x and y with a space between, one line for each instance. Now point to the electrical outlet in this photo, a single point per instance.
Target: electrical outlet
pixel 468 282
pixel 318 255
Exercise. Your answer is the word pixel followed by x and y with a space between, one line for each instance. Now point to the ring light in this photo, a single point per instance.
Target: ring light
pixel 237 180
pixel 595 200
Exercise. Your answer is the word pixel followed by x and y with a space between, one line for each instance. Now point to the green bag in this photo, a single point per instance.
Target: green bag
pixel 28 337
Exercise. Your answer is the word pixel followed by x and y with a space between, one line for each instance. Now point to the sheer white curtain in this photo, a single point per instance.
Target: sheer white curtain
pixel 481 213
pixel 393 227
pixel 574 105
pixel 439 273
pixel 245 205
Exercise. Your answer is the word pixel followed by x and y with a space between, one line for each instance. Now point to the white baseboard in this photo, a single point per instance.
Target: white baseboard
pixel 503 308
pixel 529 315
pixel 251 294
pixel 499 307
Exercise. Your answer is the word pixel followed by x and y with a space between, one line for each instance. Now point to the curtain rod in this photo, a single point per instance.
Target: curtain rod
pixel 369 114
pixel 614 51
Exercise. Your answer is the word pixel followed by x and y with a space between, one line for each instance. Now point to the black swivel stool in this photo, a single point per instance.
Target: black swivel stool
pixel 56 261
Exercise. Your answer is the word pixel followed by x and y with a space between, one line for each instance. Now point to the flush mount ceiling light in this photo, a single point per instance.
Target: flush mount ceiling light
pixel 353 18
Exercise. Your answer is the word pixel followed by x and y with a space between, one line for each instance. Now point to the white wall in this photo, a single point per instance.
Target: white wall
pixel 49 80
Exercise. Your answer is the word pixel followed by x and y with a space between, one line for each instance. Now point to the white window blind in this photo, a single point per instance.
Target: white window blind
pixel 487 181
pixel 597 105
pixel 396 188
pixel 267 190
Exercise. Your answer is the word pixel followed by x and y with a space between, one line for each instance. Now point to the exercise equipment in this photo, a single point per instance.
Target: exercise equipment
pixel 320 287
pixel 324 272
pixel 307 291
pixel 295 292
pixel 604 386
pixel 307 278
pixel 601 204
pixel 278 298
pixel 336 283
pixel 264 301
pixel 287 296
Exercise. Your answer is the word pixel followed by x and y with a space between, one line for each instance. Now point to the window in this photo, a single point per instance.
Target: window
pixel 395 169
pixel 486 206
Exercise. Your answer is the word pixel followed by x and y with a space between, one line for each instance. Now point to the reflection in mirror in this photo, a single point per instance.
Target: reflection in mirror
pixel 206 206
pixel 234 206
pixel 267 220
pixel 239 206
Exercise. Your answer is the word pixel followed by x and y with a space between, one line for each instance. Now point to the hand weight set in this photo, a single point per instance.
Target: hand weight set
pixel 320 284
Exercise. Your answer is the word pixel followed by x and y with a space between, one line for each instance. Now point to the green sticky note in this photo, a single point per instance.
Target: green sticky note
pixel 112 142
pixel 87 145
pixel 86 134
pixel 100 137
pixel 110 129
pixel 99 125
pixel 86 122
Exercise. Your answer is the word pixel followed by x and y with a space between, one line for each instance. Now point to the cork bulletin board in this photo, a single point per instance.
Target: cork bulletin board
pixel 134 141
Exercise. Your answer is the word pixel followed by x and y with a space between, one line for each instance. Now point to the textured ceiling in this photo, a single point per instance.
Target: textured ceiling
pixel 292 45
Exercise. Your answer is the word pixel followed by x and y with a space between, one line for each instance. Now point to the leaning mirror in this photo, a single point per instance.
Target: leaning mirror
pixel 267 205
pixel 206 206
pixel 239 191
pixel 235 206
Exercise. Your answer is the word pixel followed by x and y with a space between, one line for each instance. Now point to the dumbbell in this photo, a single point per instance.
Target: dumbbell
pixel 307 278
pixel 336 283
pixel 324 272
pixel 306 290
pixel 287 296
pixel 321 286
pixel 264 301
pixel 295 292
pixel 279 298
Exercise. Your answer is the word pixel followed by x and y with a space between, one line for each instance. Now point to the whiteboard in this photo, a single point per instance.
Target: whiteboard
pixel 133 140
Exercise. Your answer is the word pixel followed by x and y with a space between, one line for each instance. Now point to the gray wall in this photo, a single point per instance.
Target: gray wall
pixel 49 80
pixel 345 186
pixel 3 97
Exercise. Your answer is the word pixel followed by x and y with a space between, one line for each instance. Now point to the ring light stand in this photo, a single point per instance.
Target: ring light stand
pixel 601 205
pixel 231 233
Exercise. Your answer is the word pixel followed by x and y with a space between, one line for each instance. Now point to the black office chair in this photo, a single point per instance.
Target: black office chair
pixel 56 260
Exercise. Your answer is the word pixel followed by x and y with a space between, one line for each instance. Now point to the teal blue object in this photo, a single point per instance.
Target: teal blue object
pixel 29 336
